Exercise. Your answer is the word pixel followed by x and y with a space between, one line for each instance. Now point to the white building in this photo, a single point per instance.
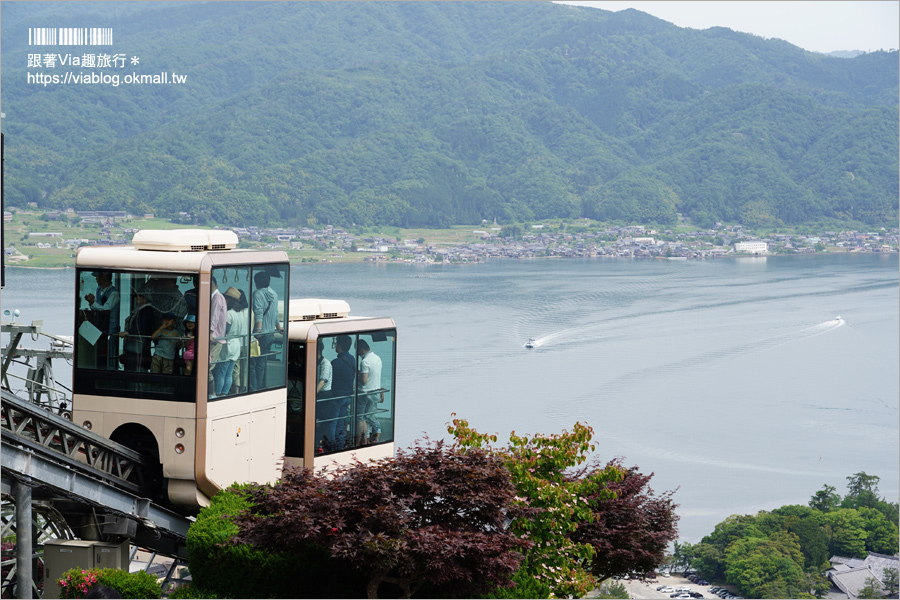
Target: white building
pixel 751 247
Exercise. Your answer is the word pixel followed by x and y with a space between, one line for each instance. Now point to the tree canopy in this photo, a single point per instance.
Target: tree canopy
pixel 432 114
pixel 783 553
pixel 431 514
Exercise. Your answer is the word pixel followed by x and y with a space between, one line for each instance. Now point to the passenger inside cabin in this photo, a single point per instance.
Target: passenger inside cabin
pixel 104 307
pixel 139 326
pixel 190 333
pixel 265 324
pixel 218 313
pixel 368 428
pixel 167 339
pixel 343 380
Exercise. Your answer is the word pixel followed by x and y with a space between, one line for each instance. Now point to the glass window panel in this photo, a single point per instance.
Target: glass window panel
pixel 229 339
pixel 133 323
pixel 267 353
pixel 336 391
pixel 356 407
pixel 374 406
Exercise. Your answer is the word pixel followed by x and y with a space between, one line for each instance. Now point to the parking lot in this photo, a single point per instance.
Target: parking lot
pixel 637 589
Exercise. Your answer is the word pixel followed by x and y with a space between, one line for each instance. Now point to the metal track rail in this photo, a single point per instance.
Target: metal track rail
pixel 87 473
pixel 154 526
pixel 51 435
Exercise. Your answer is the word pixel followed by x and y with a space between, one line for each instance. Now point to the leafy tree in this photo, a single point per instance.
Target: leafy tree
pixel 683 555
pixel 431 514
pixel 513 230
pixel 766 568
pixel 848 536
pixel 554 501
pixel 733 528
pixel 825 499
pixel 709 561
pixel 872 589
pixel 862 490
pixel 809 526
pixel 815 583
pixel 881 534
pixel 613 590
pixel 630 532
pixel 890 580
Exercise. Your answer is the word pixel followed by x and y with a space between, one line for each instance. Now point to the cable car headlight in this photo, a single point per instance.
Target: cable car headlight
pixel 179 433
pixel 179 448
pixel 87 425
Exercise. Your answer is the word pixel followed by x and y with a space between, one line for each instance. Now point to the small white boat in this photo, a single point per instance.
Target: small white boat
pixel 530 343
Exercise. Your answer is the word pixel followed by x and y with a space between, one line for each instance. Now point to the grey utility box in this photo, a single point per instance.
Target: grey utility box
pixel 62 555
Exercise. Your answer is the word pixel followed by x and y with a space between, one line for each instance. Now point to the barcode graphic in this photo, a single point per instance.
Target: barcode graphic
pixel 70 36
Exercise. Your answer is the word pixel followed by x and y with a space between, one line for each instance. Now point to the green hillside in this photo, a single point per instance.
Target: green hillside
pixel 432 114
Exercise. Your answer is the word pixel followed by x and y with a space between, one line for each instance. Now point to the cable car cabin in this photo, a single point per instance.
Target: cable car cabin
pixel 181 353
pixel 341 375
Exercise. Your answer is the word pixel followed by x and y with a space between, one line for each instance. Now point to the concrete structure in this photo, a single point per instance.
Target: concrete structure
pixel 751 247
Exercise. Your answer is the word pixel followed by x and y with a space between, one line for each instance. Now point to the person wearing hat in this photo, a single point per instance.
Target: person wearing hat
pixel 138 329
pixel 236 327
pixel 167 339
pixel 166 297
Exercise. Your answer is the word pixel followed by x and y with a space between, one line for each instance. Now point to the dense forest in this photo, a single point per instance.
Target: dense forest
pixel 784 553
pixel 433 114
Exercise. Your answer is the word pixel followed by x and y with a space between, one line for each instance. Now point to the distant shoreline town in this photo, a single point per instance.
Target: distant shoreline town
pixel 34 236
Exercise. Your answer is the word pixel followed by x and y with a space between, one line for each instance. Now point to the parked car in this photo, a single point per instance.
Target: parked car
pixel 667 589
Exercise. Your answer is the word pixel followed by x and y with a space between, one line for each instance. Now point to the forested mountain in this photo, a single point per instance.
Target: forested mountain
pixel 435 113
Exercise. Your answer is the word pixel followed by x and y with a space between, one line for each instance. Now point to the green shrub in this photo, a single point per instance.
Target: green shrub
pixel 613 590
pixel 241 571
pixel 527 586
pixel 139 584
pixel 190 592
pixel 75 583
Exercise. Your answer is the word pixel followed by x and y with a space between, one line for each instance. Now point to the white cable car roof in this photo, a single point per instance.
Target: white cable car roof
pixel 185 240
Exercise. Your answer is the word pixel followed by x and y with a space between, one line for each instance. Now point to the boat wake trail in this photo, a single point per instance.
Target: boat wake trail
pixel 577 406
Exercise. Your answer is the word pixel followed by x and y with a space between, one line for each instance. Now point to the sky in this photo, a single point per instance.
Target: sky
pixel 812 25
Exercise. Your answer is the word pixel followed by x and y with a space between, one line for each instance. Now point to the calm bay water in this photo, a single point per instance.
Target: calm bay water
pixel 730 379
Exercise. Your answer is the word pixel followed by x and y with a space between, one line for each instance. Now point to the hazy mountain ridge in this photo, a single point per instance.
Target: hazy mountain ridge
pixel 435 113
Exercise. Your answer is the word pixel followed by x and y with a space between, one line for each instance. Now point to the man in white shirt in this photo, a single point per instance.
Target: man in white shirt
pixel 368 427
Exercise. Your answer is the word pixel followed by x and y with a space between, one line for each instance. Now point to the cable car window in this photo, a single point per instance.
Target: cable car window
pixel 355 390
pixel 229 325
pixel 268 300
pixel 139 325
pixel 246 329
